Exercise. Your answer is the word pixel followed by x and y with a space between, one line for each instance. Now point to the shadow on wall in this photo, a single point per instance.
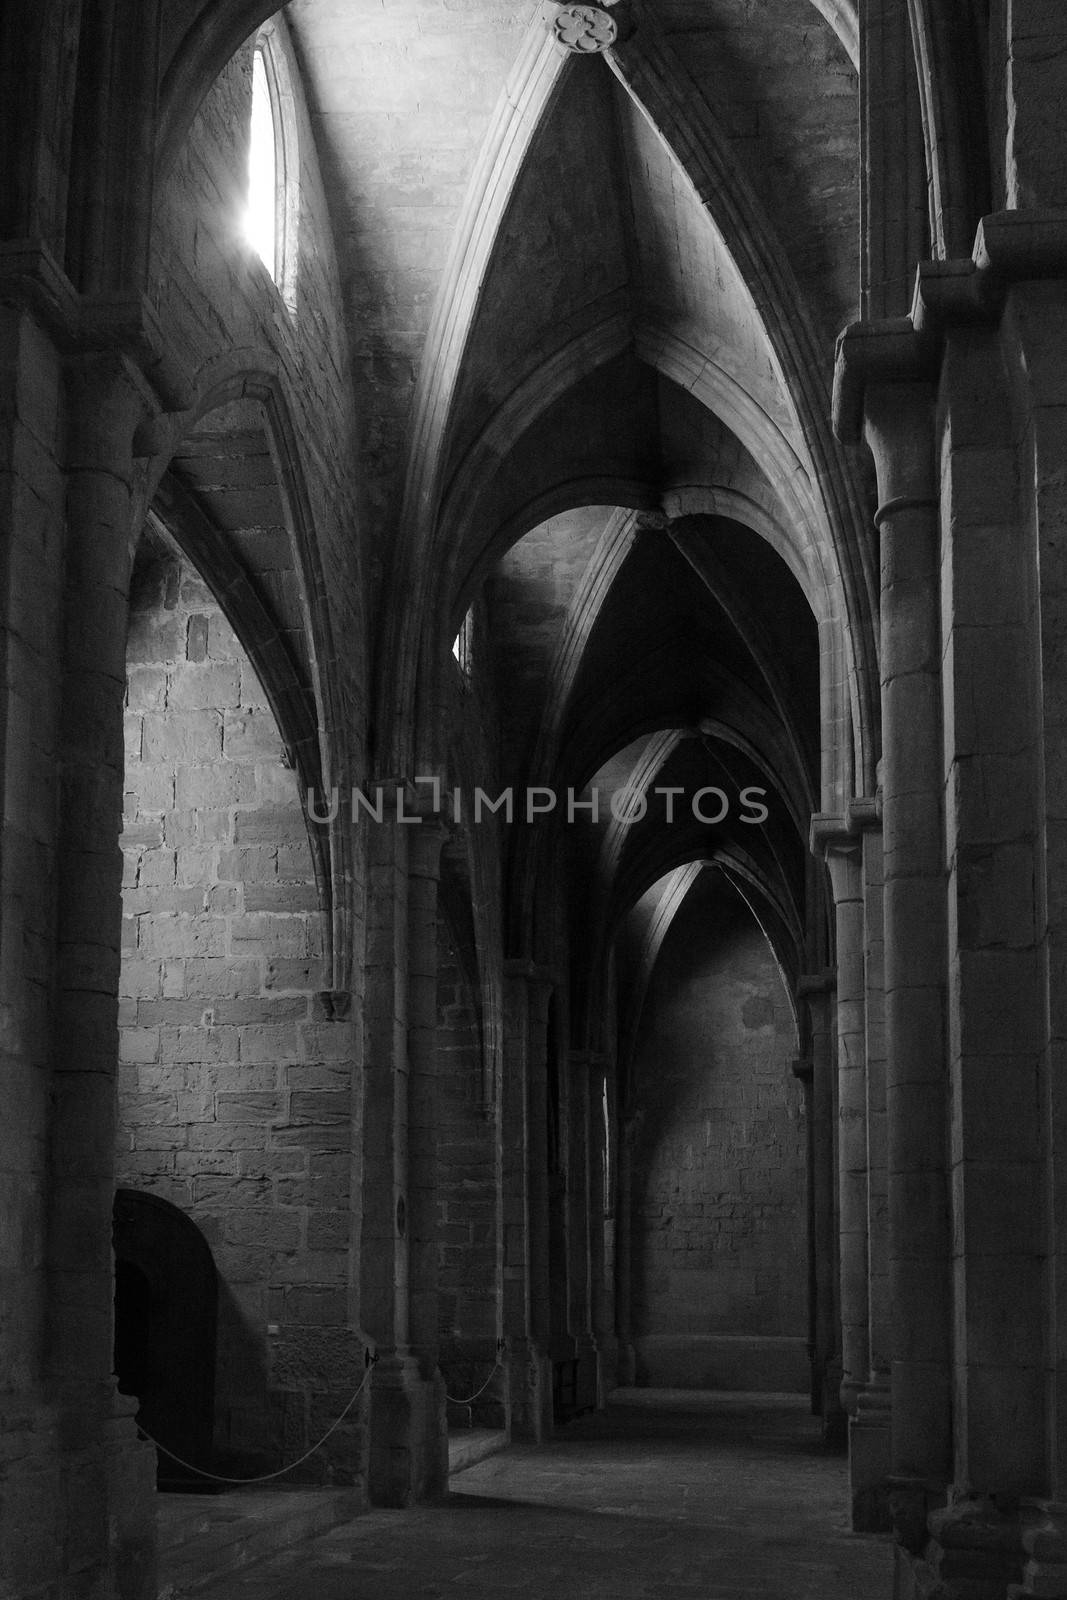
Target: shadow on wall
pixel 173 1317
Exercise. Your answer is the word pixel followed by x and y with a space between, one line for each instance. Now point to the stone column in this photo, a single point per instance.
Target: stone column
pixel 31 534
pixel 540 993
pixel 816 990
pixel 602 1310
pixel 893 186
pixel 424 859
pixel 383 1242
pixel 408 1433
pixel 842 851
pixel 1036 345
pixel 884 389
pixel 994 331
pixel 627 1355
pixel 1031 59
pixel 526 1200
pixel 803 1072
pixel 579 1225
pixel 856 870
pixel 108 1479
pixel 899 429
pixel 870 1462
pixel 998 1006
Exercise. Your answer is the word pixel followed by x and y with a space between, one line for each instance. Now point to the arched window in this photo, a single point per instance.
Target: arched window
pixel 273 198
pixel 463 645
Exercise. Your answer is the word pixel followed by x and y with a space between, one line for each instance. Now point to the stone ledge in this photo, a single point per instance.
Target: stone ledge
pixel 468 1446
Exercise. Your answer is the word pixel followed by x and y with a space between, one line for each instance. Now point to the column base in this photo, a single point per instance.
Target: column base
pixel 974 1552
pixel 78 1504
pixel 587 1356
pixel 408 1433
pixel 608 1366
pixel 529 1379
pixel 1045 1549
pixel 869 1462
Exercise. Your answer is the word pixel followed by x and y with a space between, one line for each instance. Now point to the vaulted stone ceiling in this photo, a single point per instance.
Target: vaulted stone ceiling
pixel 591 302
pixel 584 287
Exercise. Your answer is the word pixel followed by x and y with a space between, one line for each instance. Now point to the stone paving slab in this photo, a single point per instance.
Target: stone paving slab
pixel 201 1536
pixel 680 1497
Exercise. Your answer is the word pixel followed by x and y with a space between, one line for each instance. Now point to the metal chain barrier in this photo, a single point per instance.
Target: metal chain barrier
pixel 265 1477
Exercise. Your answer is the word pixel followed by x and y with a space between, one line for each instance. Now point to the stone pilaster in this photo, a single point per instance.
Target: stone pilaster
pixel 408 1434
pixel 526 1309
pixel 816 992
pixel 424 859
pixel 1031 55
pixel 580 1071
pixel 843 855
pixel 893 186
pixel 870 1458
pixel 990 333
pixel 884 388
pixel 602 1307
pixel 31 531
pixel 626 1369
pixel 803 1070
pixel 108 1478
pixel 864 1391
pixel 1034 340
pixel 996 1009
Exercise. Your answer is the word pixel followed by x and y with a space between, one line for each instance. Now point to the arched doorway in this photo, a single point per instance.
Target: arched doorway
pixel 166 1307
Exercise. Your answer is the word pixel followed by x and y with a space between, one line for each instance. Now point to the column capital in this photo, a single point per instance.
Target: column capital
pixel 1010 247
pixel 890 353
pixel 837 834
pixel 830 833
pixel 127 325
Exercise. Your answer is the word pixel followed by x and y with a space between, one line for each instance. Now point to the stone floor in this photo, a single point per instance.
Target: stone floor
pixel 668 1494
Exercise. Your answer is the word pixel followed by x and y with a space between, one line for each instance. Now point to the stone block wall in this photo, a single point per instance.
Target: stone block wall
pixel 719 1240
pixel 467 1262
pixel 235 1099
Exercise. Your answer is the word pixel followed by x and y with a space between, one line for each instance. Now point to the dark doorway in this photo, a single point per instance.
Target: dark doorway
pixel 166 1305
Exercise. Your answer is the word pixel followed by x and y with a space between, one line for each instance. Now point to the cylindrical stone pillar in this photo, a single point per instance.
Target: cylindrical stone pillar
pixel 899 426
pixel 627 1357
pixel 843 855
pixel 817 991
pixel 578 1217
pixel 601 1299
pixel 424 864
pixel 105 403
pixel 524 1113
pixel 408 1431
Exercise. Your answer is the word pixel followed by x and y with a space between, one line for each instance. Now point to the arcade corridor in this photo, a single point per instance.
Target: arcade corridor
pixel 533 845
pixel 667 1494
